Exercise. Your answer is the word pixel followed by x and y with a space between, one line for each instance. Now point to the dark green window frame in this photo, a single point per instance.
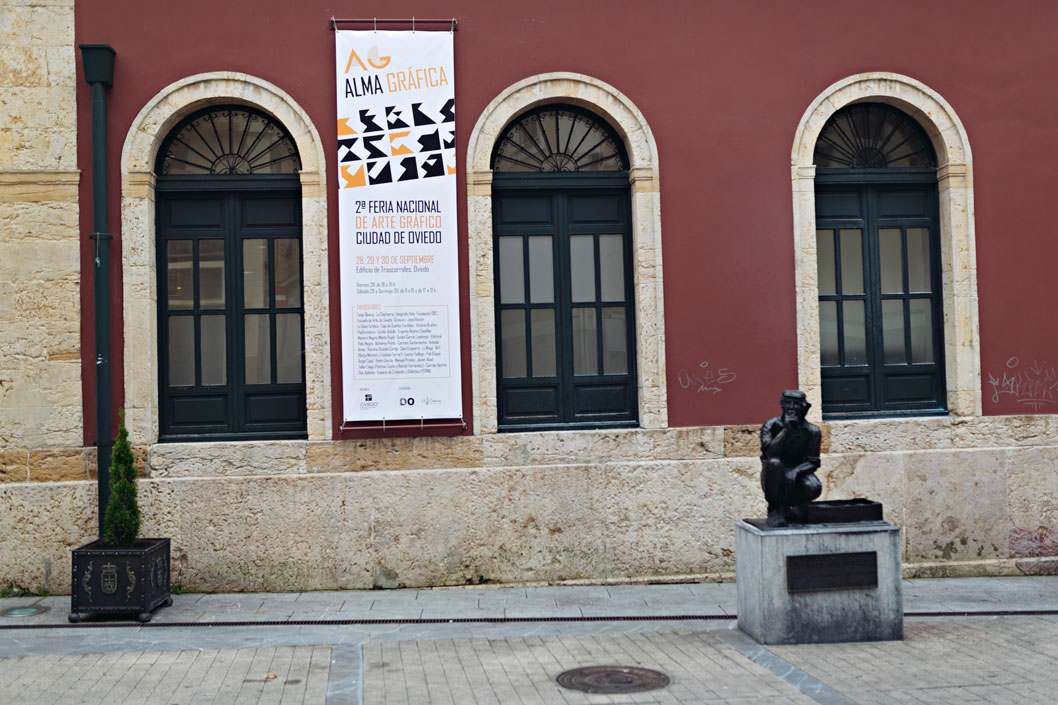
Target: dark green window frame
pixel 876 386
pixel 581 401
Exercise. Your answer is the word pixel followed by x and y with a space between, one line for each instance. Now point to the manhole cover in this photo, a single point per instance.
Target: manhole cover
pixel 23 611
pixel 608 680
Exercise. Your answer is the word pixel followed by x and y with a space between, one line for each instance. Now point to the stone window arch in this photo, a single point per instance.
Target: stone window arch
pixel 958 251
pixel 611 105
pixel 138 239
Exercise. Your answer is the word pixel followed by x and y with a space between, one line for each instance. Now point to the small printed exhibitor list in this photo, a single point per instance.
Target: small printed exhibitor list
pixel 399 331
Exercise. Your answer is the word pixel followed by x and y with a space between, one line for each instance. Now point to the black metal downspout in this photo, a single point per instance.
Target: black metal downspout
pixel 98 61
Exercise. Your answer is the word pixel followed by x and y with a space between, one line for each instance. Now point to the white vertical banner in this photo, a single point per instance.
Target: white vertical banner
pixel 397 225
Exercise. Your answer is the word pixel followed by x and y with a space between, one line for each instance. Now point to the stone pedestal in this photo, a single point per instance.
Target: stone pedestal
pixel 822 583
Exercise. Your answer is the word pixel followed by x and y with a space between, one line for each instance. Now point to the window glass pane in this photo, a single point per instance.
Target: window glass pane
pixel 211 274
pixel 512 271
pixel 543 322
pixel 828 333
pixel 288 273
pixel 541 270
pixel 893 331
pixel 512 343
pixel 825 263
pixel 855 333
pixel 181 351
pixel 612 267
pixel 214 349
pixel 921 330
pixel 851 262
pixel 890 261
pixel 614 342
pixel 179 274
pixel 288 347
pixel 582 267
pixel 258 353
pixel 585 342
pixel 918 259
pixel 255 273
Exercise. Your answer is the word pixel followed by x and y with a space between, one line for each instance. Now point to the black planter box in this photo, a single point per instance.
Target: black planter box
pixel 120 580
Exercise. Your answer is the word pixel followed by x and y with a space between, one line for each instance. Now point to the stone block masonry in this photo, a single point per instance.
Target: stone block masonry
pixel 605 506
pixel 41 415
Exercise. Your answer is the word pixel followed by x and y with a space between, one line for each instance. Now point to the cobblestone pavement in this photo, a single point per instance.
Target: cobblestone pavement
pixel 1005 660
pixel 986 660
pixel 385 653
pixel 285 675
pixel 522 671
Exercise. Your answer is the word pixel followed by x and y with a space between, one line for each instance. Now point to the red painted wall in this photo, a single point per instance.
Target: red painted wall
pixel 723 85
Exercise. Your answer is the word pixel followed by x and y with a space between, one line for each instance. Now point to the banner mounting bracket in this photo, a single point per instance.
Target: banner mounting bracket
pixel 450 22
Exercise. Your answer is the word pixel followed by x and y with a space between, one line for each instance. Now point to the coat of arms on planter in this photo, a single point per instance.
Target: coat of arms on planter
pixel 108 578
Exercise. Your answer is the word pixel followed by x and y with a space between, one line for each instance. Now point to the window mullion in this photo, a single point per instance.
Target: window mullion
pixel 906 295
pixel 839 287
pixel 564 306
pixel 599 369
pixel 270 301
pixel 238 324
pixel 196 308
pixel 873 303
pixel 527 307
pixel 232 316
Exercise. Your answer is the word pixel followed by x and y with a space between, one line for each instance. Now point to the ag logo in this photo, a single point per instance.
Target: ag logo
pixel 410 401
pixel 108 579
pixel 376 61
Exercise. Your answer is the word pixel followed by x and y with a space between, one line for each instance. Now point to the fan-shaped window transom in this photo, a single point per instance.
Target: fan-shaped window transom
pixel 228 140
pixel 873 136
pixel 559 138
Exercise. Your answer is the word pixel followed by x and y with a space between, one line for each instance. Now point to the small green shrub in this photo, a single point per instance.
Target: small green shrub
pixel 121 524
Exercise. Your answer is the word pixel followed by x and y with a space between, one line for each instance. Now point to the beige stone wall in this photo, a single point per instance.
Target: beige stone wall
pixel 41 416
pixel 973 496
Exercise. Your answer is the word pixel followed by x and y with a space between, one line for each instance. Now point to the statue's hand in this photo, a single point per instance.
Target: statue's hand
pixel 776 443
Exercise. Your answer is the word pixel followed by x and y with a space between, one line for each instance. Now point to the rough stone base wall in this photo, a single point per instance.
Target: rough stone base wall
pixel 973 497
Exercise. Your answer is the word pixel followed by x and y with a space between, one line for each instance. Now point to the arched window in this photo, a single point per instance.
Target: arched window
pixel 878 255
pixel 231 340
pixel 565 326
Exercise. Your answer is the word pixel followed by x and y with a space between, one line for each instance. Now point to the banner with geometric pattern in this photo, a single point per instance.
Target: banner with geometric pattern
pixel 397 228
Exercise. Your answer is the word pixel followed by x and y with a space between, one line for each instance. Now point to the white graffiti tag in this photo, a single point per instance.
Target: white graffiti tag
pixel 1034 385
pixel 705 379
